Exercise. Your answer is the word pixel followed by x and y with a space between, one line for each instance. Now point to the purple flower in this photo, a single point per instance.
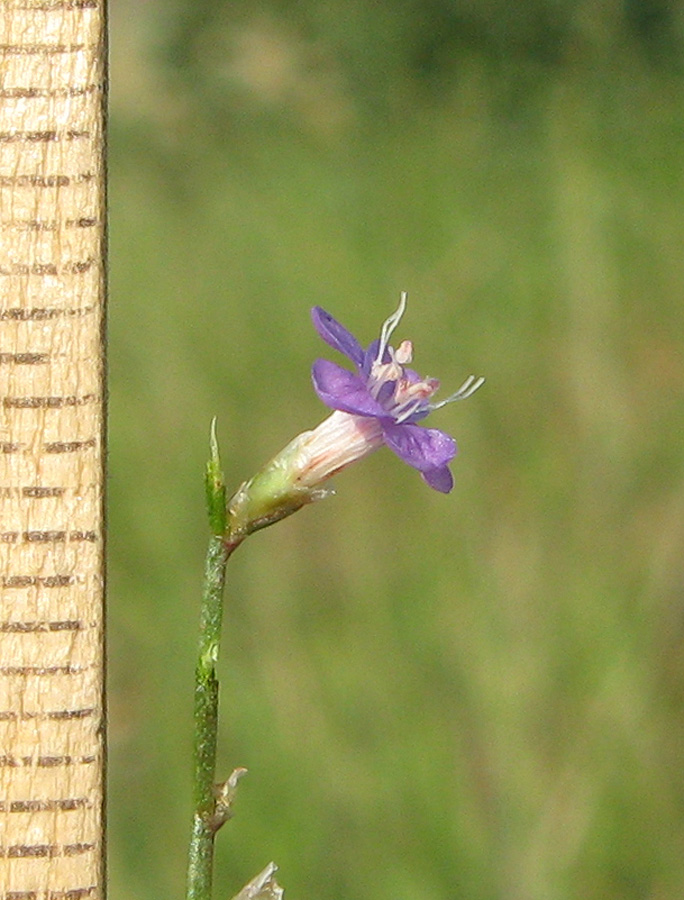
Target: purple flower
pixel 382 402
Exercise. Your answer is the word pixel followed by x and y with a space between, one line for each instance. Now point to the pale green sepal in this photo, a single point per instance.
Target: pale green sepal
pixel 272 494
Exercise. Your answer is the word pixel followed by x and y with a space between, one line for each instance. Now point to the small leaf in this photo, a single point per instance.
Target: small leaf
pixel 263 887
pixel 224 794
pixel 215 486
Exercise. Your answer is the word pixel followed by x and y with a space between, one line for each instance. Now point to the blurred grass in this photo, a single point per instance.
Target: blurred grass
pixel 477 696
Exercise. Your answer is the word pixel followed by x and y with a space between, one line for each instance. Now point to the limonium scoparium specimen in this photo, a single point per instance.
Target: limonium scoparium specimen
pixel 385 398
pixel 381 403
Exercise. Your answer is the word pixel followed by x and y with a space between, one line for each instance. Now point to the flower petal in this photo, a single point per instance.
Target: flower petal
pixel 340 389
pixel 386 392
pixel 439 479
pixel 426 449
pixel 337 335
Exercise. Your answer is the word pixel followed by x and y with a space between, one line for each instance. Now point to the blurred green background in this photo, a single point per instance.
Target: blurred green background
pixel 472 697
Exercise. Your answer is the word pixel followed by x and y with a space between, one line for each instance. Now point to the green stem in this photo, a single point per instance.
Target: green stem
pixel 204 826
pixel 257 503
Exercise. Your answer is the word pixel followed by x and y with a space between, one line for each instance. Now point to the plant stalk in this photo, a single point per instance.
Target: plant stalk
pixel 206 822
pixel 204 826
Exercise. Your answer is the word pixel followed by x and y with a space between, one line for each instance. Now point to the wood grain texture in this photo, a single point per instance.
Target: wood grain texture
pixel 52 298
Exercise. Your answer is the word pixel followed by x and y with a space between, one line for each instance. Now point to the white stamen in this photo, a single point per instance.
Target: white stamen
pixel 409 411
pixel 389 326
pixel 467 389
